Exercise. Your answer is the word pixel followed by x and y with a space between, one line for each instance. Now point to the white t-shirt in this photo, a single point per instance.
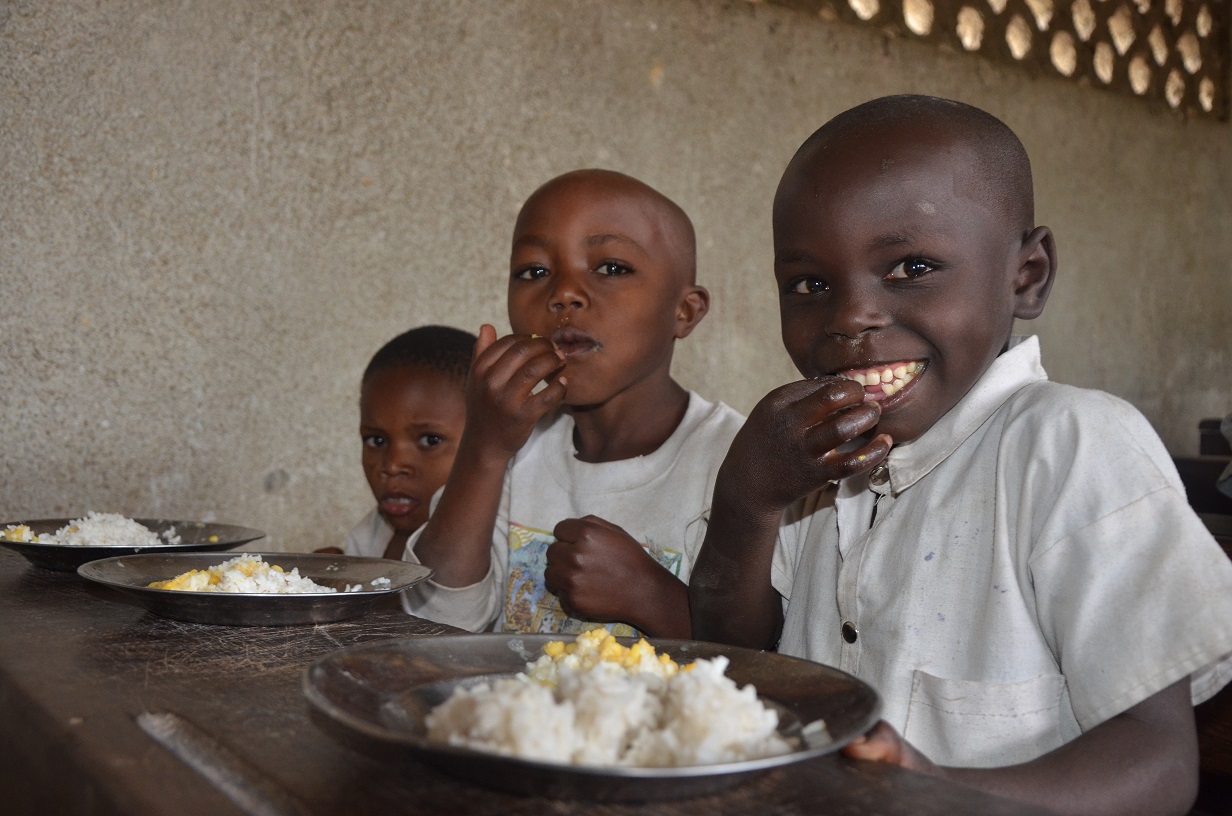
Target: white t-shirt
pixel 662 500
pixel 369 537
pixel 1032 569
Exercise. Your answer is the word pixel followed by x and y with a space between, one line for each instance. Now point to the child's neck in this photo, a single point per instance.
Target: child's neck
pixel 629 425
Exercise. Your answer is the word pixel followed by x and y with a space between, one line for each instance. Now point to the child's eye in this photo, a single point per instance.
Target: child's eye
pixel 613 268
pixel 430 440
pixel 806 286
pixel 909 269
pixel 373 441
pixel 531 273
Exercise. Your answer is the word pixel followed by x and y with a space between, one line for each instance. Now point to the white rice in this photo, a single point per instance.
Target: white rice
pixel 246 573
pixel 607 713
pixel 96 530
pixel 250 574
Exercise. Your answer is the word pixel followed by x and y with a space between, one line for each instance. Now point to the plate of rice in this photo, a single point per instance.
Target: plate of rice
pixel 254 589
pixel 66 543
pixel 596 717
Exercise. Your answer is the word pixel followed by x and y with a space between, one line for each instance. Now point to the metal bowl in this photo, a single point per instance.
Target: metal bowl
pixel 195 536
pixel 132 575
pixel 375 696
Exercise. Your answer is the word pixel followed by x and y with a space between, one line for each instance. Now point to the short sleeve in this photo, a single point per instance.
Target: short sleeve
pixel 473 607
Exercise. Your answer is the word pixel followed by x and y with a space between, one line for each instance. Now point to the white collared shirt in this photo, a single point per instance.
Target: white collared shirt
pixel 1033 569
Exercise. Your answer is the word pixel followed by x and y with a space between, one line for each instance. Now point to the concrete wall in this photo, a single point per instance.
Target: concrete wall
pixel 213 213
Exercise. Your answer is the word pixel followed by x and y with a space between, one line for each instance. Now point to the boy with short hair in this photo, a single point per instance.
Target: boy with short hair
pixel 584 472
pixel 1010 562
pixel 412 406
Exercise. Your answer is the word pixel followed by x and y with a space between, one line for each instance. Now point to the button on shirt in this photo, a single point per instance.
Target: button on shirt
pixel 1032 568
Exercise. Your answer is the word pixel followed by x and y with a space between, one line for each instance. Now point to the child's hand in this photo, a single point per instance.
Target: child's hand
pixel 502 405
pixel 883 744
pixel 786 448
pixel 597 570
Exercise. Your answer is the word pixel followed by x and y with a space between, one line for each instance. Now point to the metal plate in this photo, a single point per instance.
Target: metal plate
pixel 194 537
pixel 132 574
pixel 375 696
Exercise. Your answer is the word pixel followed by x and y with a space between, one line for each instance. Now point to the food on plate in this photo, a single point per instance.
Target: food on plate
pixel 95 530
pixel 249 573
pixel 598 702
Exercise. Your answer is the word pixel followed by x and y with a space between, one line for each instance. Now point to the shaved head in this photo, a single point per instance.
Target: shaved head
pixel 1002 169
pixel 672 224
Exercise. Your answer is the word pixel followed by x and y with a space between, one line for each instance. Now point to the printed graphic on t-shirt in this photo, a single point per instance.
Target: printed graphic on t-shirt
pixel 529 607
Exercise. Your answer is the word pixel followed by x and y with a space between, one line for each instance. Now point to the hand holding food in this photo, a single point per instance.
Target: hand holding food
pixel 797 439
pixel 504 395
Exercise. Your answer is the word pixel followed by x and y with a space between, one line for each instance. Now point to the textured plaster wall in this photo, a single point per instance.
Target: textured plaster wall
pixel 211 214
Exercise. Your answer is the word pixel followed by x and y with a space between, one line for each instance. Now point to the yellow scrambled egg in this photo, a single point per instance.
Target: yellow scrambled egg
pixel 199 580
pixel 597 647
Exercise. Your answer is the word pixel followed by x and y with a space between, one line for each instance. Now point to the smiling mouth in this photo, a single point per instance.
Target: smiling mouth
pixel 571 342
pixel 884 381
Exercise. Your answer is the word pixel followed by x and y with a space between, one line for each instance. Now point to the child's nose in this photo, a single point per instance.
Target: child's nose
pixel 853 313
pixel 568 292
pixel 400 459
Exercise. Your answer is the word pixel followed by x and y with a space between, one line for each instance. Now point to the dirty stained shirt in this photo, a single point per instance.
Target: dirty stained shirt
pixel 1032 569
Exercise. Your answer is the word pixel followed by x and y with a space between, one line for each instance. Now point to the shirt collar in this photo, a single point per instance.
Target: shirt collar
pixel 1019 366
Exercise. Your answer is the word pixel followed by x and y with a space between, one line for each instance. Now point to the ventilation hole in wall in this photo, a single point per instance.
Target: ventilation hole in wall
pixel 1177 52
pixel 1041 10
pixel 1121 27
pixel 865 9
pixel 1159 46
pixel 1174 88
pixel 1191 52
pixel 970 28
pixel 1206 94
pixel 1018 37
pixel 1139 74
pixel 1204 23
pixel 1104 62
pixel 1175 9
pixel 918 15
pixel 1063 54
pixel 1083 17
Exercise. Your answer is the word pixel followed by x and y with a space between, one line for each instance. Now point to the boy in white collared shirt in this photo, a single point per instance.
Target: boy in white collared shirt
pixel 1011 562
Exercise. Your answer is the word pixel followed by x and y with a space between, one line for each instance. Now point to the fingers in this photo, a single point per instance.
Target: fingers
pixel 519 374
pixel 881 744
pixel 487 336
pixel 865 457
pixel 831 414
pixel 573 529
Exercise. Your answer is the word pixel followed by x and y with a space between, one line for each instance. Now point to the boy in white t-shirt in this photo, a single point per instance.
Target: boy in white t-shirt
pixel 412 406
pixel 1010 562
pixel 584 472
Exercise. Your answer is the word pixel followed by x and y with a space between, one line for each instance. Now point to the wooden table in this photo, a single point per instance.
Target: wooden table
pixel 106 709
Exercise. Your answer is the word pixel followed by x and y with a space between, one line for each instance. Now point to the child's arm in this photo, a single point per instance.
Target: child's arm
pixel 785 451
pixel 1142 761
pixel 601 573
pixel 501 412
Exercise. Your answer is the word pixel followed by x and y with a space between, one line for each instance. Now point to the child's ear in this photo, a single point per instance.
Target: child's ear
pixel 1037 269
pixel 694 304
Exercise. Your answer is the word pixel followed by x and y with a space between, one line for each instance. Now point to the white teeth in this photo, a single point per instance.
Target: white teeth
pixel 891 379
